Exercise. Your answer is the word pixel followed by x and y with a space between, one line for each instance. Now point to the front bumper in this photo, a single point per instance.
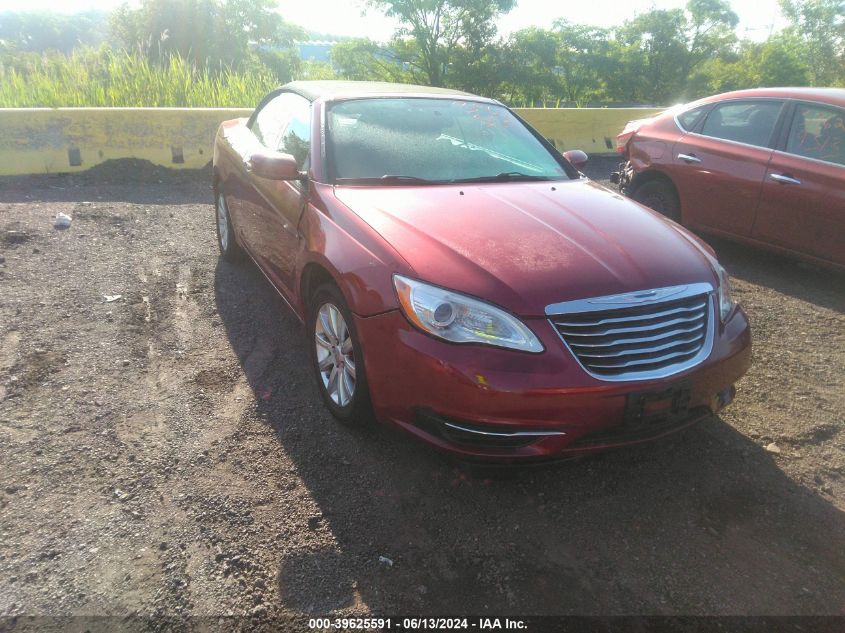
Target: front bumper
pixel 529 406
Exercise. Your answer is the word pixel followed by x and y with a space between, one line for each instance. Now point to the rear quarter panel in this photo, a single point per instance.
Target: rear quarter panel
pixel 651 146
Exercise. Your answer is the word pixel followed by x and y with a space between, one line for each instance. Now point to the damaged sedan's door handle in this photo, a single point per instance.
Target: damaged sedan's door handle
pixel 785 180
pixel 689 158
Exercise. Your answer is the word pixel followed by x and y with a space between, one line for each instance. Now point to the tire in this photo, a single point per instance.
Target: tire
pixel 660 196
pixel 334 347
pixel 230 250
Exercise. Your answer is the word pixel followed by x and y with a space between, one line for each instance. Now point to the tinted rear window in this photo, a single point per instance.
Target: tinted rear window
pixel 689 118
pixel 818 132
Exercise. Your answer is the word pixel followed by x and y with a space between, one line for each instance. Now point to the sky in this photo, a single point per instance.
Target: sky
pixel 344 17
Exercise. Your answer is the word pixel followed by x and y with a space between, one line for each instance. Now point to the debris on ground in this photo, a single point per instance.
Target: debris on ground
pixel 62 221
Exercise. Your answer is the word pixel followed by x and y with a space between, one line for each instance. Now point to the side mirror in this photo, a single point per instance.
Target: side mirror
pixel 577 158
pixel 274 165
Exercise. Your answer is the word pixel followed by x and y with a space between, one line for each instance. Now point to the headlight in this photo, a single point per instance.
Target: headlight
pixel 726 304
pixel 460 319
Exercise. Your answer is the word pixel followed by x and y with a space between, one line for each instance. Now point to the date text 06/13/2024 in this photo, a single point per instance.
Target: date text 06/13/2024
pixel 416 624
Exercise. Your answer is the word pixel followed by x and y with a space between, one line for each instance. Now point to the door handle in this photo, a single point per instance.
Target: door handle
pixel 689 158
pixel 784 180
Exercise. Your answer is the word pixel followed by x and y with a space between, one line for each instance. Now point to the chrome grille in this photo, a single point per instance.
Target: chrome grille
pixel 647 334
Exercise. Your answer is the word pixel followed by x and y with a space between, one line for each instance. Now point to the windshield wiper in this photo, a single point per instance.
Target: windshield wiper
pixel 386 180
pixel 505 176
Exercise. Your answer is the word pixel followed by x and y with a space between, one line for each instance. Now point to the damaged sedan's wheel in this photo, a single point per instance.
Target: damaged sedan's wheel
pixel 659 196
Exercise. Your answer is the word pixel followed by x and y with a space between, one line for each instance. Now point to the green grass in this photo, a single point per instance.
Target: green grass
pixel 106 78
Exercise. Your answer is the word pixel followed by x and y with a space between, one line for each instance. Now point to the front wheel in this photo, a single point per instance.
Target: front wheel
pixel 229 247
pixel 660 196
pixel 337 359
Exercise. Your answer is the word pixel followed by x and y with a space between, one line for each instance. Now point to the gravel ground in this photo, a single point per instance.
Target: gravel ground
pixel 167 452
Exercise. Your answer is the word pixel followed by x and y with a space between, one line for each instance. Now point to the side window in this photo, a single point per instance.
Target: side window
pixel 750 122
pixel 271 120
pixel 296 137
pixel 818 132
pixel 689 118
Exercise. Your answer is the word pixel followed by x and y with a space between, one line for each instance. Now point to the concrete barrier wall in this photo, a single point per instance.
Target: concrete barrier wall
pixel 44 140
pixel 593 130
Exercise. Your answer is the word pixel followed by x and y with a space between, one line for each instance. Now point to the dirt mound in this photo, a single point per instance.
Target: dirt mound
pixel 138 171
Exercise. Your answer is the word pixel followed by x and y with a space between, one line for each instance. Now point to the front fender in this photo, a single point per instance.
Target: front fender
pixel 359 260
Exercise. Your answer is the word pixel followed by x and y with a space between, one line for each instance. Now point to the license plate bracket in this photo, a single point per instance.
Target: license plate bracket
pixel 658 407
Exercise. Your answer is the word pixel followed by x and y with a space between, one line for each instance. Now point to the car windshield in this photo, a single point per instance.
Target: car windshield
pixel 419 141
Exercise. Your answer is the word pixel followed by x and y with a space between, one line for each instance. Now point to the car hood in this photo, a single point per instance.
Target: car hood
pixel 524 246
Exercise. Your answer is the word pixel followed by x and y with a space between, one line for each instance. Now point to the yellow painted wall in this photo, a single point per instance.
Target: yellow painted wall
pixel 45 140
pixel 592 130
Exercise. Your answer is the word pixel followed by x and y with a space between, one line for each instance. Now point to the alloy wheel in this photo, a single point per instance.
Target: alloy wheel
pixel 222 222
pixel 335 357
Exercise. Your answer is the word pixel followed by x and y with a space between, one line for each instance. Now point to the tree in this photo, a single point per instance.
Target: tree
pixel 366 60
pixel 657 47
pixel 776 62
pixel 780 63
pixel 38 32
pixel 584 61
pixel 820 25
pixel 483 70
pixel 667 45
pixel 711 30
pixel 532 55
pixel 431 30
pixel 253 22
pixel 212 33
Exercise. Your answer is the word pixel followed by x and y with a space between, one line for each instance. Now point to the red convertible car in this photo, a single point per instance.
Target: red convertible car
pixel 461 279
pixel 764 166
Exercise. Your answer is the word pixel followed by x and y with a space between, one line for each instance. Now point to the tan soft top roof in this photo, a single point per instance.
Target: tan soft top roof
pixel 316 89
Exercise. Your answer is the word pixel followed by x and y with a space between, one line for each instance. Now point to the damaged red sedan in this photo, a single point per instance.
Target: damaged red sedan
pixel 763 166
pixel 462 280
